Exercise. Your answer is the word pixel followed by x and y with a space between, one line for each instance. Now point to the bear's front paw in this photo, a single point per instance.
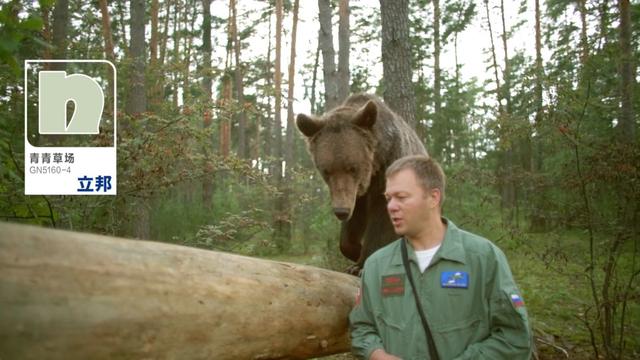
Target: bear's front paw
pixel 354 269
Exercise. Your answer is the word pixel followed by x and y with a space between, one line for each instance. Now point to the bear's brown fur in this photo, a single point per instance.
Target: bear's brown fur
pixel 352 146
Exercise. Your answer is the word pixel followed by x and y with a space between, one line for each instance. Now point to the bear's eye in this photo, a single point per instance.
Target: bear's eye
pixel 351 170
pixel 325 173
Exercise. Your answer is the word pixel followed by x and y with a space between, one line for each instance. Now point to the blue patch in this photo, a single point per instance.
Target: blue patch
pixel 454 279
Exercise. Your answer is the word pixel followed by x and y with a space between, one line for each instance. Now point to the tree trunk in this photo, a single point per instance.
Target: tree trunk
pixel 604 24
pixel 627 127
pixel 59 40
pixel 290 148
pixel 69 295
pixel 509 193
pixel 584 43
pixel 460 141
pixel 325 37
pixel 240 112
pixel 137 99
pixel 108 47
pixel 120 5
pixel 189 23
pixel 106 31
pixel 277 128
pixel 225 118
pixel 282 223
pixel 60 25
pixel 457 62
pixel 268 125
pixel 396 59
pixel 441 133
pixel 504 173
pixel 207 79
pixel 538 219
pixel 45 10
pixel 507 66
pixel 539 78
pixel 314 81
pixel 344 76
pixel 153 43
pixel 493 57
pixel 207 181
pixel 155 74
pixel 227 91
pixel 176 52
pixel 165 33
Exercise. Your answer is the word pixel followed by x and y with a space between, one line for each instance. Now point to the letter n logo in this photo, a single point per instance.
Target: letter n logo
pixel 55 90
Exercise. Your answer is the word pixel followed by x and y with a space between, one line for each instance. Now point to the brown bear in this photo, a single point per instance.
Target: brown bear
pixel 352 146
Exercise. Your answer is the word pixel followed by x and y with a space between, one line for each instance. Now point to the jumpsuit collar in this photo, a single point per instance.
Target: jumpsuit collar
pixel 450 249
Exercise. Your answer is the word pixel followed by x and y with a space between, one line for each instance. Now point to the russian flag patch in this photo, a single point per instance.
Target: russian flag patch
pixel 517 300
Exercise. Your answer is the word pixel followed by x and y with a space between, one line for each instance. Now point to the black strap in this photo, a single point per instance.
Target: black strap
pixel 433 352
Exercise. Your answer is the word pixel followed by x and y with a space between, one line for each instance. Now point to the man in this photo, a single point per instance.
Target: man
pixel 471 304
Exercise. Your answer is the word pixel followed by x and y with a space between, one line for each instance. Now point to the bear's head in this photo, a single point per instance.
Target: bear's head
pixel 342 145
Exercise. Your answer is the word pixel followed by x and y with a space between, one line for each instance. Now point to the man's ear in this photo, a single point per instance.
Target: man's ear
pixel 308 125
pixel 367 115
pixel 436 197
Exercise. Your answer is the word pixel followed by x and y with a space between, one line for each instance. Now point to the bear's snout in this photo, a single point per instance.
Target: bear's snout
pixel 342 213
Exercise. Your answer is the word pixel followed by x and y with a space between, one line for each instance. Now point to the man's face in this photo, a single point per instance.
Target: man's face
pixel 410 207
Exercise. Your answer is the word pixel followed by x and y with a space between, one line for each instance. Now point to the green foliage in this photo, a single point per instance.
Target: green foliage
pixel 232 232
pixel 457 16
pixel 18 34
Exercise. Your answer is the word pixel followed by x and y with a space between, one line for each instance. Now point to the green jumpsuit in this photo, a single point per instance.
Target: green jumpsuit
pixel 472 304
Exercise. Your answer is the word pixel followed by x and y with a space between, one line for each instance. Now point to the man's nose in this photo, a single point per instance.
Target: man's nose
pixel 392 206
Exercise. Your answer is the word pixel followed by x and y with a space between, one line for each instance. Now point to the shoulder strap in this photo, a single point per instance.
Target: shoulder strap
pixel 433 352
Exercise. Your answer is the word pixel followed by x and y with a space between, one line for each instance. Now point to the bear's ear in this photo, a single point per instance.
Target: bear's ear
pixel 367 115
pixel 308 125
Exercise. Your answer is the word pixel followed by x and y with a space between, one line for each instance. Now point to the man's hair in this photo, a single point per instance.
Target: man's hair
pixel 428 172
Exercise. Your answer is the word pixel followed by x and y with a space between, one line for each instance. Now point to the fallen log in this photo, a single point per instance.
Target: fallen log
pixel 71 295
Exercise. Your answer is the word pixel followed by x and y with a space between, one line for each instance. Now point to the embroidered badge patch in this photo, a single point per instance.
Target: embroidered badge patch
pixel 517 300
pixel 392 285
pixel 454 279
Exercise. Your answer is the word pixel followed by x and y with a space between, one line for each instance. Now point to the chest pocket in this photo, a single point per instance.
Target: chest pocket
pixel 459 319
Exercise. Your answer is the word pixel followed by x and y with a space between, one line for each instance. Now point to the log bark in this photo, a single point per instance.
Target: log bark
pixel 67 295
